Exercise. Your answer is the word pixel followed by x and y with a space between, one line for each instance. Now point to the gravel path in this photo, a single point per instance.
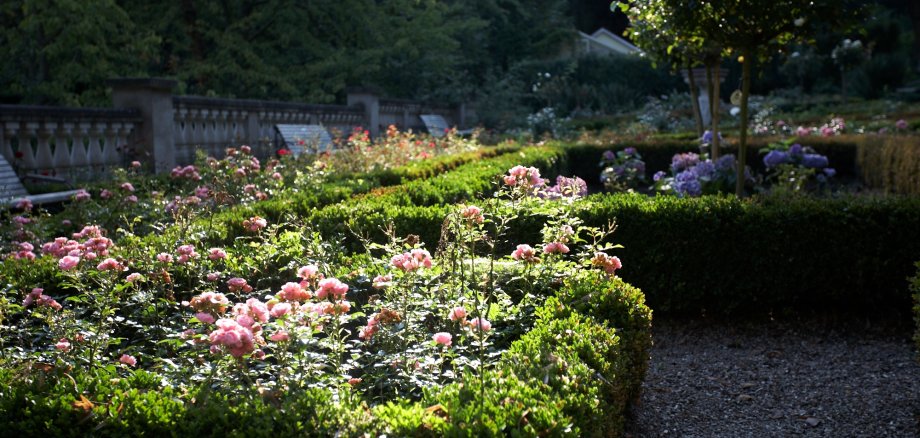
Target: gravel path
pixel 779 379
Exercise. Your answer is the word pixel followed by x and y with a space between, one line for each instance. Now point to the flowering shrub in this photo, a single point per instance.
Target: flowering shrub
pixel 623 170
pixel 793 167
pixel 359 153
pixel 695 175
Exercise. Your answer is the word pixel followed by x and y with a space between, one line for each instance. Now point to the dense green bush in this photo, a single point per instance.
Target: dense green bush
pixel 572 375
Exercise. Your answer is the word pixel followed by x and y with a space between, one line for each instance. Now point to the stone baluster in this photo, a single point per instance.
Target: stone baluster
pixel 43 156
pixel 60 159
pixel 93 138
pixel 113 152
pixel 25 135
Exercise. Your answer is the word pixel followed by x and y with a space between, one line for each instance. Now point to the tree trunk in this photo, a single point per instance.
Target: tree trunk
pixel 742 141
pixel 695 104
pixel 714 111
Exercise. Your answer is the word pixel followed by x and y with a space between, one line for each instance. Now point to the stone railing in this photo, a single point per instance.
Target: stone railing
pixel 151 125
pixel 71 142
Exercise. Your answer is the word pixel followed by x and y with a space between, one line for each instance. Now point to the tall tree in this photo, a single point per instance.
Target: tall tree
pixel 62 51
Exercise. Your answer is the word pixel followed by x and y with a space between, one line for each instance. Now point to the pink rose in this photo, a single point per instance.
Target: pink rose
pixel 481 324
pixel 68 262
pixel 442 338
pixel 128 360
pixel 457 313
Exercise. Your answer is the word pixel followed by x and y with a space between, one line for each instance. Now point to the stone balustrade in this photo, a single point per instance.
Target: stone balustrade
pixel 69 142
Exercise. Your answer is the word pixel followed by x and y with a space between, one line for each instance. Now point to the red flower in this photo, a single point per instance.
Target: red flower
pixel 283 152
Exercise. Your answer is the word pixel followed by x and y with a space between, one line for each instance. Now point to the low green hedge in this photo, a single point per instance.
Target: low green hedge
pixel 572 375
pixel 728 256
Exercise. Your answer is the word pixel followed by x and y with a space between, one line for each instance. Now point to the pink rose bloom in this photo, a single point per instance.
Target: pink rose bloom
pixel 457 314
pixel 280 336
pixel 217 254
pixel 525 253
pixel 249 188
pixel 276 176
pixel 245 149
pixel 280 309
pixel 63 345
pixel 68 262
pixel 202 192
pixel 81 195
pixel 254 223
pixel 331 287
pixel 135 164
pixel 24 204
pixel 294 292
pixel 237 339
pixel 186 250
pixel 131 199
pixel 66 222
pixel 607 263
pixel 354 381
pixel 509 180
pixel 258 309
pixel 110 264
pixel 237 284
pixel 442 338
pixel 382 281
pixel 556 248
pixel 105 194
pixel 472 213
pixel 901 124
pixel 128 360
pixel 205 317
pixel 239 173
pixel 481 324
pixel 134 277
pixel 212 276
pixel 164 257
pixel 307 272
pixel 127 187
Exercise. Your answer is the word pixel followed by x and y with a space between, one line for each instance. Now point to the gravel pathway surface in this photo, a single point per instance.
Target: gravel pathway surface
pixel 773 379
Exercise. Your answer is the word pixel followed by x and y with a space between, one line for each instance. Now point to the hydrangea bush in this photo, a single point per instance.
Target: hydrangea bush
pixel 693 175
pixel 795 168
pixel 622 170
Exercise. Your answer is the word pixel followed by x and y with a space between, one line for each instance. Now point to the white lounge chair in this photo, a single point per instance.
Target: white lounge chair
pixel 12 191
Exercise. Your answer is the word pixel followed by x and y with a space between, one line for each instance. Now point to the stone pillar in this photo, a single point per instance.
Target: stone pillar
pixel 153 98
pixel 699 77
pixel 370 101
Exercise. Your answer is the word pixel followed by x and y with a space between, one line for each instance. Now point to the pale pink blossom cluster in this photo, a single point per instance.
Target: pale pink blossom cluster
pixel 607 263
pixel 24 204
pixel 202 192
pixel 332 288
pixel 24 251
pixel 63 345
pixel 126 186
pixel 38 298
pixel 82 195
pixel 457 314
pixel 128 360
pixel 250 312
pixel 111 264
pixel 106 194
pixel 238 339
pixel 472 213
pixel 72 251
pixel 525 253
pixel 442 338
pixel 209 302
pixel 383 317
pixel 480 324
pixel 555 248
pixel 217 254
pixel 520 176
pixel 294 292
pixel 237 284
pixel 382 281
pixel 187 172
pixel 412 260
pixel 254 224
pixel 309 272
pixel 186 254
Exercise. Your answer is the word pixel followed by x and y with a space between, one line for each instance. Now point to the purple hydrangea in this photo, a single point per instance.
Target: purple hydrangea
pixel 687 184
pixel 830 171
pixel 684 161
pixel 726 163
pixel 707 137
pixel 609 156
pixel 704 170
pixel 815 161
pixel 566 188
pixel 775 158
pixel 658 175
pixel 795 149
pixel 630 151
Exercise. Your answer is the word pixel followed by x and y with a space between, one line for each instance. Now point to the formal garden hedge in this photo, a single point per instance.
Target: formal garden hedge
pixel 722 255
pixel 915 288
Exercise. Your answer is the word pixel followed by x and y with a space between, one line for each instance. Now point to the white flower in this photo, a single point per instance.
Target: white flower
pixel 799 22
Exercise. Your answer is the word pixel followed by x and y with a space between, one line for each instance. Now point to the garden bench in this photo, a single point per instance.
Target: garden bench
pixel 12 190
pixel 437 126
pixel 297 138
